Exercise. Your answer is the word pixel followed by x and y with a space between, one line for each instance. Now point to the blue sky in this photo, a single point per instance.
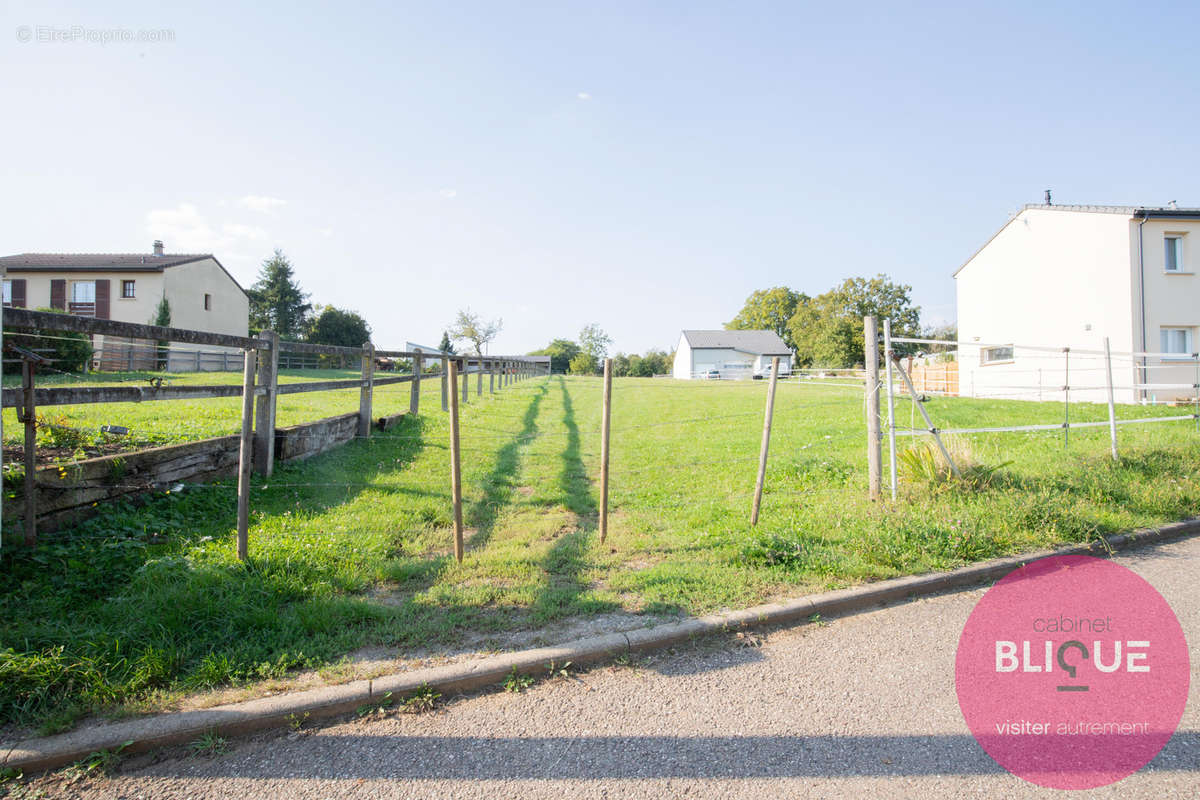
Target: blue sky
pixel 644 167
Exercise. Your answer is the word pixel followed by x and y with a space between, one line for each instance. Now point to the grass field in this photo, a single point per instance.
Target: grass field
pixel 157 423
pixel 352 549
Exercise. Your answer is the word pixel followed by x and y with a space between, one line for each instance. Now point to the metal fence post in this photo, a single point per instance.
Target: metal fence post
pixel 1066 396
pixel 874 437
pixel 888 356
pixel 1112 409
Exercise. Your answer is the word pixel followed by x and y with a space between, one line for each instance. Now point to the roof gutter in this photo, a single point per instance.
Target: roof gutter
pixel 1142 294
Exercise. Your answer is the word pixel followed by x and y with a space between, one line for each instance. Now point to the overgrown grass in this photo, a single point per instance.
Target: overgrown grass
pixel 353 548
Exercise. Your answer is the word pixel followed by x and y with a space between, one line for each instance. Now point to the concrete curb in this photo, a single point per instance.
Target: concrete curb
pixel 272 712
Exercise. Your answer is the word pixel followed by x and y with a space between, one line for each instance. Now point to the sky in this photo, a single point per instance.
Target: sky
pixel 640 166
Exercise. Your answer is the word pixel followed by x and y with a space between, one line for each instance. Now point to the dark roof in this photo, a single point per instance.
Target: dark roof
pixel 105 262
pixel 1134 211
pixel 140 262
pixel 766 343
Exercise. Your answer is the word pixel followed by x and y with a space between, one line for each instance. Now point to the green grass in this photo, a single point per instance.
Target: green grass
pixel 167 422
pixel 353 548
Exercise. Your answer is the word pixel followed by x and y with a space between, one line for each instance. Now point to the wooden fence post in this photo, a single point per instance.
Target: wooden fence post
pixel 491 376
pixel 874 437
pixel 479 378
pixel 465 365
pixel 607 413
pixel 245 454
pixel 455 468
pixel 414 398
pixel 1112 409
pixel 264 418
pixel 368 389
pixel 30 421
pixel 445 378
pixel 766 441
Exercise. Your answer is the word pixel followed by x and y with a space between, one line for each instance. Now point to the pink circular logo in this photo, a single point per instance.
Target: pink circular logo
pixel 1072 672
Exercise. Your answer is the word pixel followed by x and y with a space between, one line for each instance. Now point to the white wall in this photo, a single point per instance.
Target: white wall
pixel 186 286
pixel 682 366
pixel 1172 299
pixel 1043 280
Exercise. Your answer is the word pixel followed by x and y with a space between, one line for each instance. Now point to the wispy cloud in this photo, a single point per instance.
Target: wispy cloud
pixel 449 194
pixel 584 96
pixel 262 203
pixel 185 229
pixel 326 232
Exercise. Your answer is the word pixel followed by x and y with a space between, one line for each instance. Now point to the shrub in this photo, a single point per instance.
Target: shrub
pixel 68 352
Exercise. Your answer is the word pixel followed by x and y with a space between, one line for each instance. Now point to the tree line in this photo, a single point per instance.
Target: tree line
pixel 586 356
pixel 827 330
pixel 278 303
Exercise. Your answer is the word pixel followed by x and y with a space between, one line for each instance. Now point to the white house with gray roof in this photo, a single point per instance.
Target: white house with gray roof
pixel 733 354
pixel 1070 276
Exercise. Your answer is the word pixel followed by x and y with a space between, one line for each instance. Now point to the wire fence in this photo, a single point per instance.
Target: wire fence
pixel 259 440
pixel 1065 389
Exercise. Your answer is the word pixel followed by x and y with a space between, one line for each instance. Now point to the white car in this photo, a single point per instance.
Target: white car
pixel 785 370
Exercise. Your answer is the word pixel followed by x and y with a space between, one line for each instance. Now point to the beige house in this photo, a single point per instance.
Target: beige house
pixel 128 287
pixel 1069 276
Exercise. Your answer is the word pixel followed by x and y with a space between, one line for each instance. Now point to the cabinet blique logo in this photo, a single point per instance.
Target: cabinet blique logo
pixel 1072 672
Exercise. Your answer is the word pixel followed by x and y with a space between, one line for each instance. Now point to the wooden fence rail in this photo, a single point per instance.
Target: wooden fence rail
pixel 260 388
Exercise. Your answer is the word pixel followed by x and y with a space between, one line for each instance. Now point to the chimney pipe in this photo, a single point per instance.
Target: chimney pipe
pixel 158 247
pixel 1048 198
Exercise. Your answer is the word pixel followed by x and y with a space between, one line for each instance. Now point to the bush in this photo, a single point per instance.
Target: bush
pixel 584 364
pixel 68 352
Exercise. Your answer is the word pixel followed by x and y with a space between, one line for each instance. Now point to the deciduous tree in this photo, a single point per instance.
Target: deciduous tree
pixel 469 327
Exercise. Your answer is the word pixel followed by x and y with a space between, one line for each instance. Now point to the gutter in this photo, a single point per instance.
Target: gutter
pixel 1142 294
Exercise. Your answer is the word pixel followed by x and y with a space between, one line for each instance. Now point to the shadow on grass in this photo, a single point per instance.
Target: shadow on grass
pixel 498 485
pixel 562 593
pixel 135 599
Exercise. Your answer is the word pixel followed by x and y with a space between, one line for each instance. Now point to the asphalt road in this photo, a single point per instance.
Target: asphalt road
pixel 863 706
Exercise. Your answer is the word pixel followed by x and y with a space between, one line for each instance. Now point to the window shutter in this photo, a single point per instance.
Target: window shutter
pixel 102 299
pixel 18 293
pixel 58 293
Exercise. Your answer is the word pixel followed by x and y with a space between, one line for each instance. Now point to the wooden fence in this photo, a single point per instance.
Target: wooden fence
pixel 258 443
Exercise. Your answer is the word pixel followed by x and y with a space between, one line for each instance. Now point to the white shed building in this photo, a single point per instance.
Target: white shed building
pixel 733 354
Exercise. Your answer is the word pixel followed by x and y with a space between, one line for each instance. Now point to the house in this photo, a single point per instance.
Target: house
pixel 733 354
pixel 128 287
pixel 1069 276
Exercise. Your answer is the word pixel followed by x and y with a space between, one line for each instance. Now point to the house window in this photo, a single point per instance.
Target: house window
pixel 996 355
pixel 1173 246
pixel 208 302
pixel 83 292
pixel 127 289
pixel 8 293
pixel 1176 342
